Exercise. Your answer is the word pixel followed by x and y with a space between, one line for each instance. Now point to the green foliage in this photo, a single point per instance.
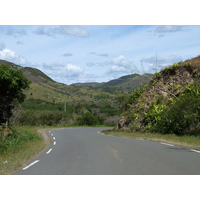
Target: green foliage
pixel 89 119
pixel 171 70
pixel 180 117
pixel 126 101
pixel 12 84
pixel 152 116
pixel 15 139
pixel 42 118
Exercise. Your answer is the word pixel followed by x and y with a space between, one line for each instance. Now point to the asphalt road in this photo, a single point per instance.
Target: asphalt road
pixel 84 151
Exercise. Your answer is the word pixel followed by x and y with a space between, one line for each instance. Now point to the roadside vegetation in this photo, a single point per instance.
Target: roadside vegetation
pixel 170 103
pixel 20 146
pixel 188 141
pixel 167 109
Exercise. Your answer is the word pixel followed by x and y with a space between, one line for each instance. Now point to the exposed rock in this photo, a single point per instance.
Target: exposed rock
pixel 168 83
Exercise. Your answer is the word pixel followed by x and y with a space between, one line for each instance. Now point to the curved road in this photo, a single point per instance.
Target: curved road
pixel 84 151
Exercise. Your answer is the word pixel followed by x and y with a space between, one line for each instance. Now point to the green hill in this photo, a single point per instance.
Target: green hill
pixel 44 88
pixel 170 102
pixel 132 81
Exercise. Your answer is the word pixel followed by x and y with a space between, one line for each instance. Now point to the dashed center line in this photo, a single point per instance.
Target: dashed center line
pixel 54 138
pixel 166 144
pixel 49 151
pixel 30 165
pixel 54 143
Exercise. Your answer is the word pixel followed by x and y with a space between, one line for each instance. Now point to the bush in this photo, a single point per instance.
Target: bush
pixel 180 115
pixel 89 119
pixel 182 118
pixel 43 118
pixel 15 139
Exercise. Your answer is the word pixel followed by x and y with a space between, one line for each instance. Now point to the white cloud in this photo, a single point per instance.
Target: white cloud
pixel 63 73
pixel 121 61
pixel 9 55
pixel 118 69
pixel 157 62
pixel 70 30
pixel 13 31
pixel 121 66
pixel 73 70
pixel 168 28
pixel 62 30
pixel 43 30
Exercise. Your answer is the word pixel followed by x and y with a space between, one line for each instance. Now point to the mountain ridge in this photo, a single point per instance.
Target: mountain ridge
pixel 127 81
pixel 44 88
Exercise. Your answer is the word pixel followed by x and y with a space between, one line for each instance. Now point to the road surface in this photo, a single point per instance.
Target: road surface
pixel 85 151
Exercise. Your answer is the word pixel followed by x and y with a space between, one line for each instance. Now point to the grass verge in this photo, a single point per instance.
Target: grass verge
pixel 186 141
pixel 12 159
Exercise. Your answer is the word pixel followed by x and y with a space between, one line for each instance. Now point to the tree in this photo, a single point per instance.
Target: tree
pixel 88 119
pixel 12 84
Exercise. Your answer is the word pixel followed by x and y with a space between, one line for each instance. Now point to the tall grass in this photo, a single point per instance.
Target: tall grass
pixel 13 141
pixel 18 147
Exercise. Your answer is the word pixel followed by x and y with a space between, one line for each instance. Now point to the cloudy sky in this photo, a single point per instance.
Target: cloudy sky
pixel 87 53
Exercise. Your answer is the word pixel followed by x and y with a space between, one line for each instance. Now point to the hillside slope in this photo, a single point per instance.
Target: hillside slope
pixel 44 88
pixel 132 81
pixel 164 91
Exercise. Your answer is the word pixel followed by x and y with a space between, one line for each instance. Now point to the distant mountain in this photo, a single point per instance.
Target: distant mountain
pixel 44 88
pixel 128 82
pixel 89 84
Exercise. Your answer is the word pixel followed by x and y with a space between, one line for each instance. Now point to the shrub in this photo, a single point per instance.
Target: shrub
pixel 89 119
pixel 15 139
pixel 46 118
pixel 182 118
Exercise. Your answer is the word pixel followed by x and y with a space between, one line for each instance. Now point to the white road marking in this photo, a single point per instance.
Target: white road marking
pixel 54 143
pixel 54 138
pixel 49 131
pixel 52 134
pixel 49 151
pixel 195 150
pixel 166 144
pixel 30 165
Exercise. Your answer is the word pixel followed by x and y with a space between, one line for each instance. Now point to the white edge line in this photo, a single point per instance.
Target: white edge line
pixel 195 150
pixel 49 151
pixel 30 165
pixel 54 143
pixel 166 144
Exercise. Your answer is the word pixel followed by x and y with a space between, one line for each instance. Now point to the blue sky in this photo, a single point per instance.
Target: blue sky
pixel 87 53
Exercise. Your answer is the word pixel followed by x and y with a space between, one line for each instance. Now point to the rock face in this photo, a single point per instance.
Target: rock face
pixel 167 84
